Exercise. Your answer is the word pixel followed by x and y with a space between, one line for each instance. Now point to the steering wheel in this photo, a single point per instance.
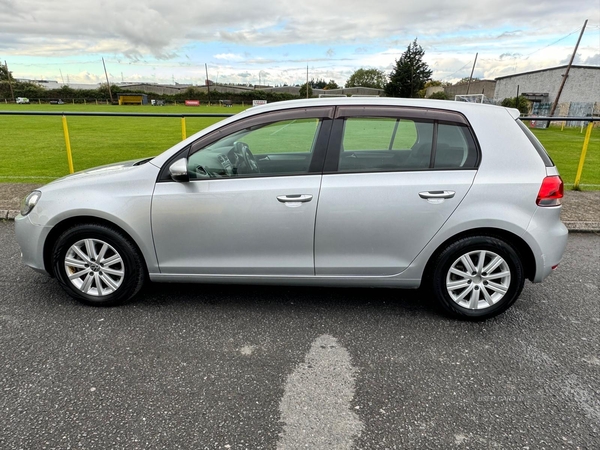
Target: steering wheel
pixel 246 162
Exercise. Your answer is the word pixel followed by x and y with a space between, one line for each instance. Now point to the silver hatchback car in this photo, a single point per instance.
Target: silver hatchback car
pixel 458 198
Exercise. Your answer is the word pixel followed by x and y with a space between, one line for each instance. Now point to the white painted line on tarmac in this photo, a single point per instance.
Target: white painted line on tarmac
pixel 316 405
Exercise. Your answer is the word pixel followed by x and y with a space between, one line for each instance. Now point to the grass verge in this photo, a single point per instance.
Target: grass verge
pixel 32 148
pixel 565 148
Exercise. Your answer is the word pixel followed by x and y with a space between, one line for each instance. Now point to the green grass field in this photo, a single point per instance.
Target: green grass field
pixel 32 148
pixel 565 147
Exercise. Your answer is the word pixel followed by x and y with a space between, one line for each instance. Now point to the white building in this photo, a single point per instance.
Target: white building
pixel 583 85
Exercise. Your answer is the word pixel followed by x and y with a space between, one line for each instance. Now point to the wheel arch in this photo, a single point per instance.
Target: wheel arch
pixel 520 246
pixel 65 224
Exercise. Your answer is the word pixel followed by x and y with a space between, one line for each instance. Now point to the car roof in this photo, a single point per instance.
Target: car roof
pixel 464 107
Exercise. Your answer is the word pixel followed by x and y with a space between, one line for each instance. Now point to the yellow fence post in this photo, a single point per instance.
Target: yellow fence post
pixel 183 130
pixel 586 143
pixel 68 144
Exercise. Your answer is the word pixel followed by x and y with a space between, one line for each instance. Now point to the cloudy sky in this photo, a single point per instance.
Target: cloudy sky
pixel 247 41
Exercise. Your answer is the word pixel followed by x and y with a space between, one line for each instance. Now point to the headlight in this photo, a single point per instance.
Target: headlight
pixel 29 202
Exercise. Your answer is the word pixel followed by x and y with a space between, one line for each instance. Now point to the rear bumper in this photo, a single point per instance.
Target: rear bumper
pixel 547 236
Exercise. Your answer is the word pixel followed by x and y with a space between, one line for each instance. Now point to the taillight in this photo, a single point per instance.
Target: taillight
pixel 551 191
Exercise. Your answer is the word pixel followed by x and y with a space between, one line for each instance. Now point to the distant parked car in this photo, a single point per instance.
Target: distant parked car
pixel 457 197
pixel 22 100
pixel 57 102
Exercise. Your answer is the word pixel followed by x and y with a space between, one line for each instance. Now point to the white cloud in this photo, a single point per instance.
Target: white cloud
pixel 229 57
pixel 139 34
pixel 157 26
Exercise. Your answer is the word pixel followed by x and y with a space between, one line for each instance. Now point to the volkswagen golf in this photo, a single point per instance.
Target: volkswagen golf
pixel 460 199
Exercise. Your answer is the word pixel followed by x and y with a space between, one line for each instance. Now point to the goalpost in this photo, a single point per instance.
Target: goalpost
pixel 471 98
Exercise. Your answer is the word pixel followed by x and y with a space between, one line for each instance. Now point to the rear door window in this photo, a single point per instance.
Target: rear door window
pixel 383 144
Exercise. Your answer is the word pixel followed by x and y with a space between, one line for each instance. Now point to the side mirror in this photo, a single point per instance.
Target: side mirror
pixel 178 170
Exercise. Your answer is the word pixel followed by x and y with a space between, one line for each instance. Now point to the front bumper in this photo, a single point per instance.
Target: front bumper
pixel 31 239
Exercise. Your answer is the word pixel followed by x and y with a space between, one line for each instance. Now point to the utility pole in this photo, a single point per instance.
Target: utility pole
pixel 207 82
pixel 471 77
pixel 564 80
pixel 12 93
pixel 107 82
pixel 307 81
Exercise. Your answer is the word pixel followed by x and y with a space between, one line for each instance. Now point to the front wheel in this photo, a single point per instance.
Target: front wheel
pixel 98 265
pixel 478 277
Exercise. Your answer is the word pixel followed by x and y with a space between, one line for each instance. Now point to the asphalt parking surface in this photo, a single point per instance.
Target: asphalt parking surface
pixel 221 367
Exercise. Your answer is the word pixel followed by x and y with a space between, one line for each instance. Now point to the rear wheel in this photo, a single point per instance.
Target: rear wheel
pixel 478 277
pixel 98 265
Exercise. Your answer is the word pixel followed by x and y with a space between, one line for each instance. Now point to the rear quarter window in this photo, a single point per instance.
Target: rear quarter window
pixel 537 144
pixel 455 147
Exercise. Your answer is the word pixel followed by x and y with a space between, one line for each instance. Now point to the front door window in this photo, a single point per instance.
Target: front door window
pixel 280 148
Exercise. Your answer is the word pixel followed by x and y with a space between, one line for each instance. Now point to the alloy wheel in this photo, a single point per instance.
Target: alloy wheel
pixel 478 279
pixel 94 267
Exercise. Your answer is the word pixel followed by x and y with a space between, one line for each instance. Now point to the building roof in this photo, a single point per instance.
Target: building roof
pixel 548 70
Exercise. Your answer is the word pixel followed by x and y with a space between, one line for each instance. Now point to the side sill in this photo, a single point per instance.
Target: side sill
pixel 286 280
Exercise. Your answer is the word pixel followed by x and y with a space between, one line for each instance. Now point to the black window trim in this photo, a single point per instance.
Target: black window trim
pixel 436 116
pixel 403 112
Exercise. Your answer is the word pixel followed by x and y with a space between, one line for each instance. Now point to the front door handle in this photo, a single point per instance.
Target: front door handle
pixel 299 198
pixel 436 194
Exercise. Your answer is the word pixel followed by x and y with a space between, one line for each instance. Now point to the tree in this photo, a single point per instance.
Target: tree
pixel 4 74
pixel 371 78
pixel 410 74
pixel 521 103
pixel 331 85
pixel 319 84
pixel 431 83
pixel 465 80
pixel 441 95
pixel 303 91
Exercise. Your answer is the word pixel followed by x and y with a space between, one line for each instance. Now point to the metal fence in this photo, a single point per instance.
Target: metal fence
pixel 586 142
pixel 107 114
pixel 538 119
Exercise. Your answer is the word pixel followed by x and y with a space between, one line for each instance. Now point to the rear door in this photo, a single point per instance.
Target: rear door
pixel 392 177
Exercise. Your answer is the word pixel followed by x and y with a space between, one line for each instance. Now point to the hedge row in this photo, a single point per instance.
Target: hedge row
pixel 67 94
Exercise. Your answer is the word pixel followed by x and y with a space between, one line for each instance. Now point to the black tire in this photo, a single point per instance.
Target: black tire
pixel 479 287
pixel 106 287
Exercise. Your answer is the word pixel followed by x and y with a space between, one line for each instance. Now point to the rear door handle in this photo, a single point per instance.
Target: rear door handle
pixel 436 194
pixel 299 198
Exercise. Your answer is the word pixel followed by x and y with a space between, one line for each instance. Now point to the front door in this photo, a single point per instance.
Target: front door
pixel 250 205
